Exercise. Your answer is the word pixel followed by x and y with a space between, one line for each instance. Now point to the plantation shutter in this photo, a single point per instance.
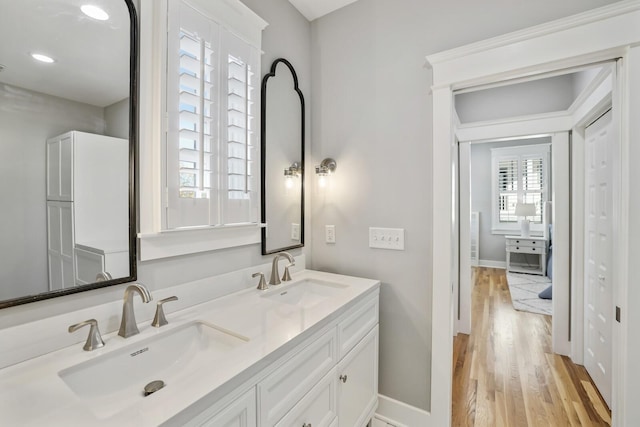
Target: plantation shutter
pixel 532 173
pixel 240 75
pixel 507 189
pixel 519 175
pixel 210 148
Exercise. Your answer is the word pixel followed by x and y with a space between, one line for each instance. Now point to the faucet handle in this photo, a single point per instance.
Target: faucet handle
pixel 262 284
pixel 286 277
pixel 160 319
pixel 94 340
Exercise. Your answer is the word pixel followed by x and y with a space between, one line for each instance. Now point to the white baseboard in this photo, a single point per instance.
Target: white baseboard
pixel 492 264
pixel 398 414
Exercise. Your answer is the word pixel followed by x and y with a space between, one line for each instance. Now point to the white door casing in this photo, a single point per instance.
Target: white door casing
pixel 598 247
pixel 597 35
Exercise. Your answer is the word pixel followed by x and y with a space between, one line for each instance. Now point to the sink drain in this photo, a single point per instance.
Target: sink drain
pixel 153 386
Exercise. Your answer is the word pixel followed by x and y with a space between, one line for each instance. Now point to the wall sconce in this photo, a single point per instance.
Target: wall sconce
pixel 289 173
pixel 326 168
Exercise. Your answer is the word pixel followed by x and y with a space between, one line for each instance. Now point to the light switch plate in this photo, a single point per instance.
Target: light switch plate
pixel 386 238
pixel 330 233
pixel 295 231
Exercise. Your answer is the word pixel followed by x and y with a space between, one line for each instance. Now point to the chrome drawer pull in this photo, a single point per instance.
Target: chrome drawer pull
pixel 343 378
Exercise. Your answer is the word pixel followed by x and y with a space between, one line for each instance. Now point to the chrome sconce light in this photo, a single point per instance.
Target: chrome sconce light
pixel 326 168
pixel 292 171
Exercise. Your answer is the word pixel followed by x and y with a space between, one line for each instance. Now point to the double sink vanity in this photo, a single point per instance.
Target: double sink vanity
pixel 302 353
pixel 221 352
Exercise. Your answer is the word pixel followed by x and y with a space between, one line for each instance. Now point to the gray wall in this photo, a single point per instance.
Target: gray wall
pixel 27 120
pixel 491 245
pixel 542 96
pixel 372 112
pixel 582 79
pixel 288 35
pixel 116 117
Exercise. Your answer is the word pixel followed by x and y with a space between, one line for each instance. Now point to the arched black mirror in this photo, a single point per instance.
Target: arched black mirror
pixel 282 159
pixel 68 128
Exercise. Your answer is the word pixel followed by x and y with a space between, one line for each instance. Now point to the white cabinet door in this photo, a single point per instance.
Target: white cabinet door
pixel 241 413
pixel 358 382
pixel 60 168
pixel 60 245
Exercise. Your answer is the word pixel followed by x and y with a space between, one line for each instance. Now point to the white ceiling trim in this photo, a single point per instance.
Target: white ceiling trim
pixel 314 9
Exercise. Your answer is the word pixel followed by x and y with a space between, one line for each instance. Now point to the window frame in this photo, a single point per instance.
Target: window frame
pixel 519 153
pixel 155 241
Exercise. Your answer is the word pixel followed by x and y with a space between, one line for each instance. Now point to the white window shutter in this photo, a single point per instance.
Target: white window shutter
pixel 210 164
pixel 239 149
pixel 520 175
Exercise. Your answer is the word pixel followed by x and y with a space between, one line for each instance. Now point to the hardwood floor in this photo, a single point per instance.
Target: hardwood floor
pixel 504 373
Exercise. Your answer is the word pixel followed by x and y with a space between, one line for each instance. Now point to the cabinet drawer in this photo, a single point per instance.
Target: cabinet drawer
pixel 317 408
pixel 279 392
pixel 352 329
pixel 526 250
pixel 526 242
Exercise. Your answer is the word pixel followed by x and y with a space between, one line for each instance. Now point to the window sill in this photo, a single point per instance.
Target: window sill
pixel 172 243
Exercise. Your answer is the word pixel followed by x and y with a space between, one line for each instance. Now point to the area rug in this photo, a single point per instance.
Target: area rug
pixel 524 289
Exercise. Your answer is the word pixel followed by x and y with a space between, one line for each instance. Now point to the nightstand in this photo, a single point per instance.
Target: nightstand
pixel 527 246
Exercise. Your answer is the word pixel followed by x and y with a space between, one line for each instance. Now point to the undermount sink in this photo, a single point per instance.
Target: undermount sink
pixel 306 293
pixel 116 380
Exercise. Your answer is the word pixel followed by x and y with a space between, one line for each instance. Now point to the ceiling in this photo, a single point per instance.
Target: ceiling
pixel 92 57
pixel 313 9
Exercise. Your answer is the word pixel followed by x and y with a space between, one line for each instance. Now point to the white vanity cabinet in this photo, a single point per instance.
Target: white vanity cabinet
pixel 328 380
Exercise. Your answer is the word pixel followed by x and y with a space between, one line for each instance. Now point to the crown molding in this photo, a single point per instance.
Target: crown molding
pixel 590 16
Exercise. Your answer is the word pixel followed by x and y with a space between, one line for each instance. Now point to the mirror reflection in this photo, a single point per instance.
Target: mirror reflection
pixel 282 159
pixel 64 146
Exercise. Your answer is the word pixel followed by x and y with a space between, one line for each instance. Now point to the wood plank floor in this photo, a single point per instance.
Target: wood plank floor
pixel 505 373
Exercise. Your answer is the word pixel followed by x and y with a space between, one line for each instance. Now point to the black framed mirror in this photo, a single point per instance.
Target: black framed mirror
pixel 282 166
pixel 68 138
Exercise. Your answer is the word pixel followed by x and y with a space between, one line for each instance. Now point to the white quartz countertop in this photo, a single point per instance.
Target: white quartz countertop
pixel 33 394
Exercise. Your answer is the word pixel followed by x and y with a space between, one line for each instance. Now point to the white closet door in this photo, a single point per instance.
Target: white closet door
pixel 599 312
pixel 60 245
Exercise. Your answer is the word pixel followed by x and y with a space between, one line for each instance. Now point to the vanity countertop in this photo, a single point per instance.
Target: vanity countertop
pixel 33 394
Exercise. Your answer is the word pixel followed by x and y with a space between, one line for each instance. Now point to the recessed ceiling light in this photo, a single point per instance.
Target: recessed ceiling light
pixel 94 12
pixel 42 58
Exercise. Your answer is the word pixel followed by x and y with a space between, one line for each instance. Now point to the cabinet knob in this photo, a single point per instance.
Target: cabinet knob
pixel 534 249
pixel 343 378
pixel 517 248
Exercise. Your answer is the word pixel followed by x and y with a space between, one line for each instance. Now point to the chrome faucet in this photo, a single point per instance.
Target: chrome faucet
pixel 275 275
pixel 128 326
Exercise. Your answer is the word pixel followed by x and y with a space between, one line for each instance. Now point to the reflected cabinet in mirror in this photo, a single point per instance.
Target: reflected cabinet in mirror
pixel 282 159
pixel 67 144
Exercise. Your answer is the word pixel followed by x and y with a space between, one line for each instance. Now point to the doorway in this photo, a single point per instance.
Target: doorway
pixel 563 178
pixel 549 47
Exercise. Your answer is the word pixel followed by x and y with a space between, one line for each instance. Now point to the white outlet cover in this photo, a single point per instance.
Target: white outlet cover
pixel 330 233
